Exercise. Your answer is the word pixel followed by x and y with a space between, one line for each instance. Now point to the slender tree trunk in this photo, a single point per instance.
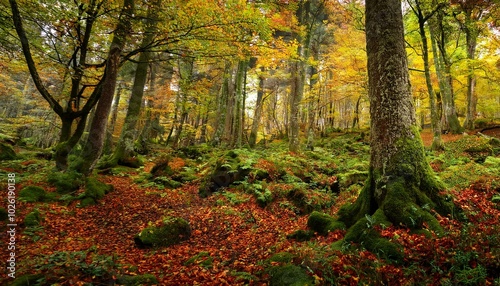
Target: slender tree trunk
pixel 443 66
pixel 125 149
pixel 93 147
pixel 471 115
pixel 437 142
pixel 238 107
pixel 257 113
pixel 400 180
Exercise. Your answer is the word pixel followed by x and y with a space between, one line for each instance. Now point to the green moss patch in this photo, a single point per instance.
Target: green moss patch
pixel 301 235
pixel 66 182
pixel 33 218
pixel 232 167
pixel 172 231
pixel 323 223
pixel 129 280
pixel 32 194
pixel 6 152
pixel 94 191
pixel 289 275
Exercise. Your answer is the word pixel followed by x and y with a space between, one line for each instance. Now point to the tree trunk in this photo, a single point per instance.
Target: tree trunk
pixel 443 70
pixel 71 111
pixel 257 114
pixel 437 142
pixel 471 115
pixel 93 147
pixel 401 188
pixel 238 107
pixel 125 151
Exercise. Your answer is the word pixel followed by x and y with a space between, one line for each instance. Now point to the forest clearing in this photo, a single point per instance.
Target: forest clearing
pixel 245 142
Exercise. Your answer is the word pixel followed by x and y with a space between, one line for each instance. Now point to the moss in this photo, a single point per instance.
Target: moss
pixel 66 182
pixel 364 204
pixel 6 152
pixel 323 223
pixel 129 280
pixel 4 215
pixel 87 201
pixel 301 235
pixel 96 189
pixel 32 194
pixel 229 168
pixel 33 218
pixel 27 280
pixel 352 177
pixel 282 257
pixel 289 275
pixel 172 231
pixel 364 234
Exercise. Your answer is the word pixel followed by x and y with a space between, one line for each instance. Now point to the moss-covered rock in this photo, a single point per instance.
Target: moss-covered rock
pixel 301 235
pixel 32 194
pixel 96 189
pixel 162 167
pixel 323 223
pixel 6 152
pixel 66 182
pixel 289 275
pixel 172 231
pixel 129 280
pixel 228 169
pixel 28 280
pixel 33 218
pixel 4 215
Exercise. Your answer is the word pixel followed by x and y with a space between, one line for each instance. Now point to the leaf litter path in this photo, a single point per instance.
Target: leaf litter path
pixel 235 236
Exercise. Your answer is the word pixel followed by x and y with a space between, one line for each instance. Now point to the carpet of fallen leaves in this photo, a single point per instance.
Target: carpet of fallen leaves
pixel 235 236
pixel 239 236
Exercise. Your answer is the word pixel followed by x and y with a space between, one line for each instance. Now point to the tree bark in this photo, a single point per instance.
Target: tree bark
pixel 442 64
pixel 437 142
pixel 401 188
pixel 71 111
pixel 93 147
pixel 257 113
pixel 124 151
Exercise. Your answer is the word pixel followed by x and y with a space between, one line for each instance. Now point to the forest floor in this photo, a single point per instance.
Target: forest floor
pixel 235 240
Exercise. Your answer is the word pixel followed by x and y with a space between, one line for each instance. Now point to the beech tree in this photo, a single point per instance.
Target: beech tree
pixel 401 188
pixel 66 42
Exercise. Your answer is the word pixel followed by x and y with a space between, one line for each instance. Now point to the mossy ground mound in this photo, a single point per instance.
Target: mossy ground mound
pixel 33 218
pixel 289 275
pixel 229 168
pixel 66 182
pixel 7 152
pixel 323 223
pixel 32 194
pixel 94 191
pixel 172 231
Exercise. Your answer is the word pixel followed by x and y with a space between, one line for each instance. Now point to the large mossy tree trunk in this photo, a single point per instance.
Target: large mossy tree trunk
pixel 93 147
pixel 401 189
